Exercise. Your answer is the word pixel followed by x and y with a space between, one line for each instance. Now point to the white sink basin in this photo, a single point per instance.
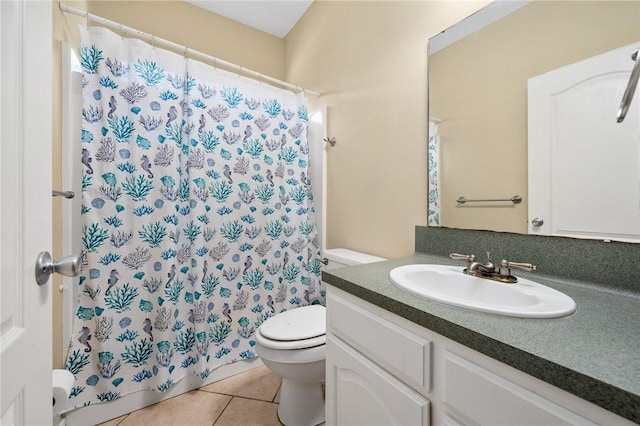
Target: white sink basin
pixel 448 284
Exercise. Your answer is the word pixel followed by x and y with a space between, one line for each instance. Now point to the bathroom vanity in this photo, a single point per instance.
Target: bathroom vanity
pixel 394 358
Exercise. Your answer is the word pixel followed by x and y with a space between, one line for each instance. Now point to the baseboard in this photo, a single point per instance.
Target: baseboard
pixel 99 413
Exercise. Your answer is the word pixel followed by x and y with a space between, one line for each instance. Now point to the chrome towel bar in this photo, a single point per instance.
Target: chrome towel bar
pixel 65 194
pixel 516 199
pixel 627 97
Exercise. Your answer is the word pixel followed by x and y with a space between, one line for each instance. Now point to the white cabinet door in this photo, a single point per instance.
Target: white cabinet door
pixel 361 393
pixel 584 167
pixel 25 210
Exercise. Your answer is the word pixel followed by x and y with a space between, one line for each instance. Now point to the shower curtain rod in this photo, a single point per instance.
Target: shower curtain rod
pixel 175 46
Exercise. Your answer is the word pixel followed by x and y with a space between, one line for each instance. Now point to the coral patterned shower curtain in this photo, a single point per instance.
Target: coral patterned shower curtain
pixel 198 220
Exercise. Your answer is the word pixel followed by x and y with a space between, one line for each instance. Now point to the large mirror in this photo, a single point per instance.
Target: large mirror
pixel 478 76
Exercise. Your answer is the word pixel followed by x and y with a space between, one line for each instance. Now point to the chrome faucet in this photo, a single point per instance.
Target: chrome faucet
pixel 490 271
pixel 487 267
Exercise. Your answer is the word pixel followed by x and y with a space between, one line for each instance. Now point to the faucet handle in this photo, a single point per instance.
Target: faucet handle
pixel 457 256
pixel 505 266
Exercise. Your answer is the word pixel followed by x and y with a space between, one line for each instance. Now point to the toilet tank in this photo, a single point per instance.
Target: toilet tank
pixel 339 257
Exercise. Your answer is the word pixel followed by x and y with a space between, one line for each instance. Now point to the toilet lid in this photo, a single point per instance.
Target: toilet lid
pixel 296 324
pixel 283 345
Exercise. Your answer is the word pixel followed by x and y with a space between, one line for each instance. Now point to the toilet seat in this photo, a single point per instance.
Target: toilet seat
pixel 298 328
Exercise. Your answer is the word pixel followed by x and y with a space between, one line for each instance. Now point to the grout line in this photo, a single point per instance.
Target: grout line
pixel 222 412
pixel 237 396
pixel 276 395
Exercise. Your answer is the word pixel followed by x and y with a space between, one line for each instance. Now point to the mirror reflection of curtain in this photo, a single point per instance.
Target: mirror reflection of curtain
pixel 433 216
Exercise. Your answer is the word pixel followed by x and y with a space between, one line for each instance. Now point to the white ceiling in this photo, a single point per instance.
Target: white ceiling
pixel 275 17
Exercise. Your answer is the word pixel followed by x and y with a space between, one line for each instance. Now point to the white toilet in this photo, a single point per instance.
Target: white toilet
pixel 292 346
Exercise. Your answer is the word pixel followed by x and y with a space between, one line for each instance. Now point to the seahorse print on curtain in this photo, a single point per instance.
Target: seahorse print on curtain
pixel 197 217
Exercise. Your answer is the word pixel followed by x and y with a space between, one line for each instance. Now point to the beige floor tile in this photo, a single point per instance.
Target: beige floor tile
pixel 113 422
pixel 257 383
pixel 193 408
pixel 241 411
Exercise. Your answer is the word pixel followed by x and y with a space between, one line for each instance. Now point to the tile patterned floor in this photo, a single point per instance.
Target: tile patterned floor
pixel 245 399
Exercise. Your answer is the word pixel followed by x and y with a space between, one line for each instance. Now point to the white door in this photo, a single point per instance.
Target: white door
pixel 25 210
pixel 584 167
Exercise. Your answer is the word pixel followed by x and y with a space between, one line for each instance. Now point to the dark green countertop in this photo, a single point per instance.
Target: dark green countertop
pixel 593 354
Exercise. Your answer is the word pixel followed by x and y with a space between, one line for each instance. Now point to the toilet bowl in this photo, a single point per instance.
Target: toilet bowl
pixel 292 346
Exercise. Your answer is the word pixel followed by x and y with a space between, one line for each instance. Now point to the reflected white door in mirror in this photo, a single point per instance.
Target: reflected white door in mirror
pixel 572 134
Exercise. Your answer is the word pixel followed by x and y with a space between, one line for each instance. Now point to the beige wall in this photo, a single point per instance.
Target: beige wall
pixel 198 29
pixel 175 21
pixel 483 104
pixel 369 61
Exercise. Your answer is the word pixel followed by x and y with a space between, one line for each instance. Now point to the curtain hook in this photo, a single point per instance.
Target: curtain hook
pixel 186 52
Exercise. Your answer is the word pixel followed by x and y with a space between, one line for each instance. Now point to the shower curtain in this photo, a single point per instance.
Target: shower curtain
pixel 433 212
pixel 197 217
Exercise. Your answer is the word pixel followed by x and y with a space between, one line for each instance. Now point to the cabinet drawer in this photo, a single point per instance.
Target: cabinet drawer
pixel 399 351
pixel 489 399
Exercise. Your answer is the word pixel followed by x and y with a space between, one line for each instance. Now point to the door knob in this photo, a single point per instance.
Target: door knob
pixel 68 266
pixel 536 221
